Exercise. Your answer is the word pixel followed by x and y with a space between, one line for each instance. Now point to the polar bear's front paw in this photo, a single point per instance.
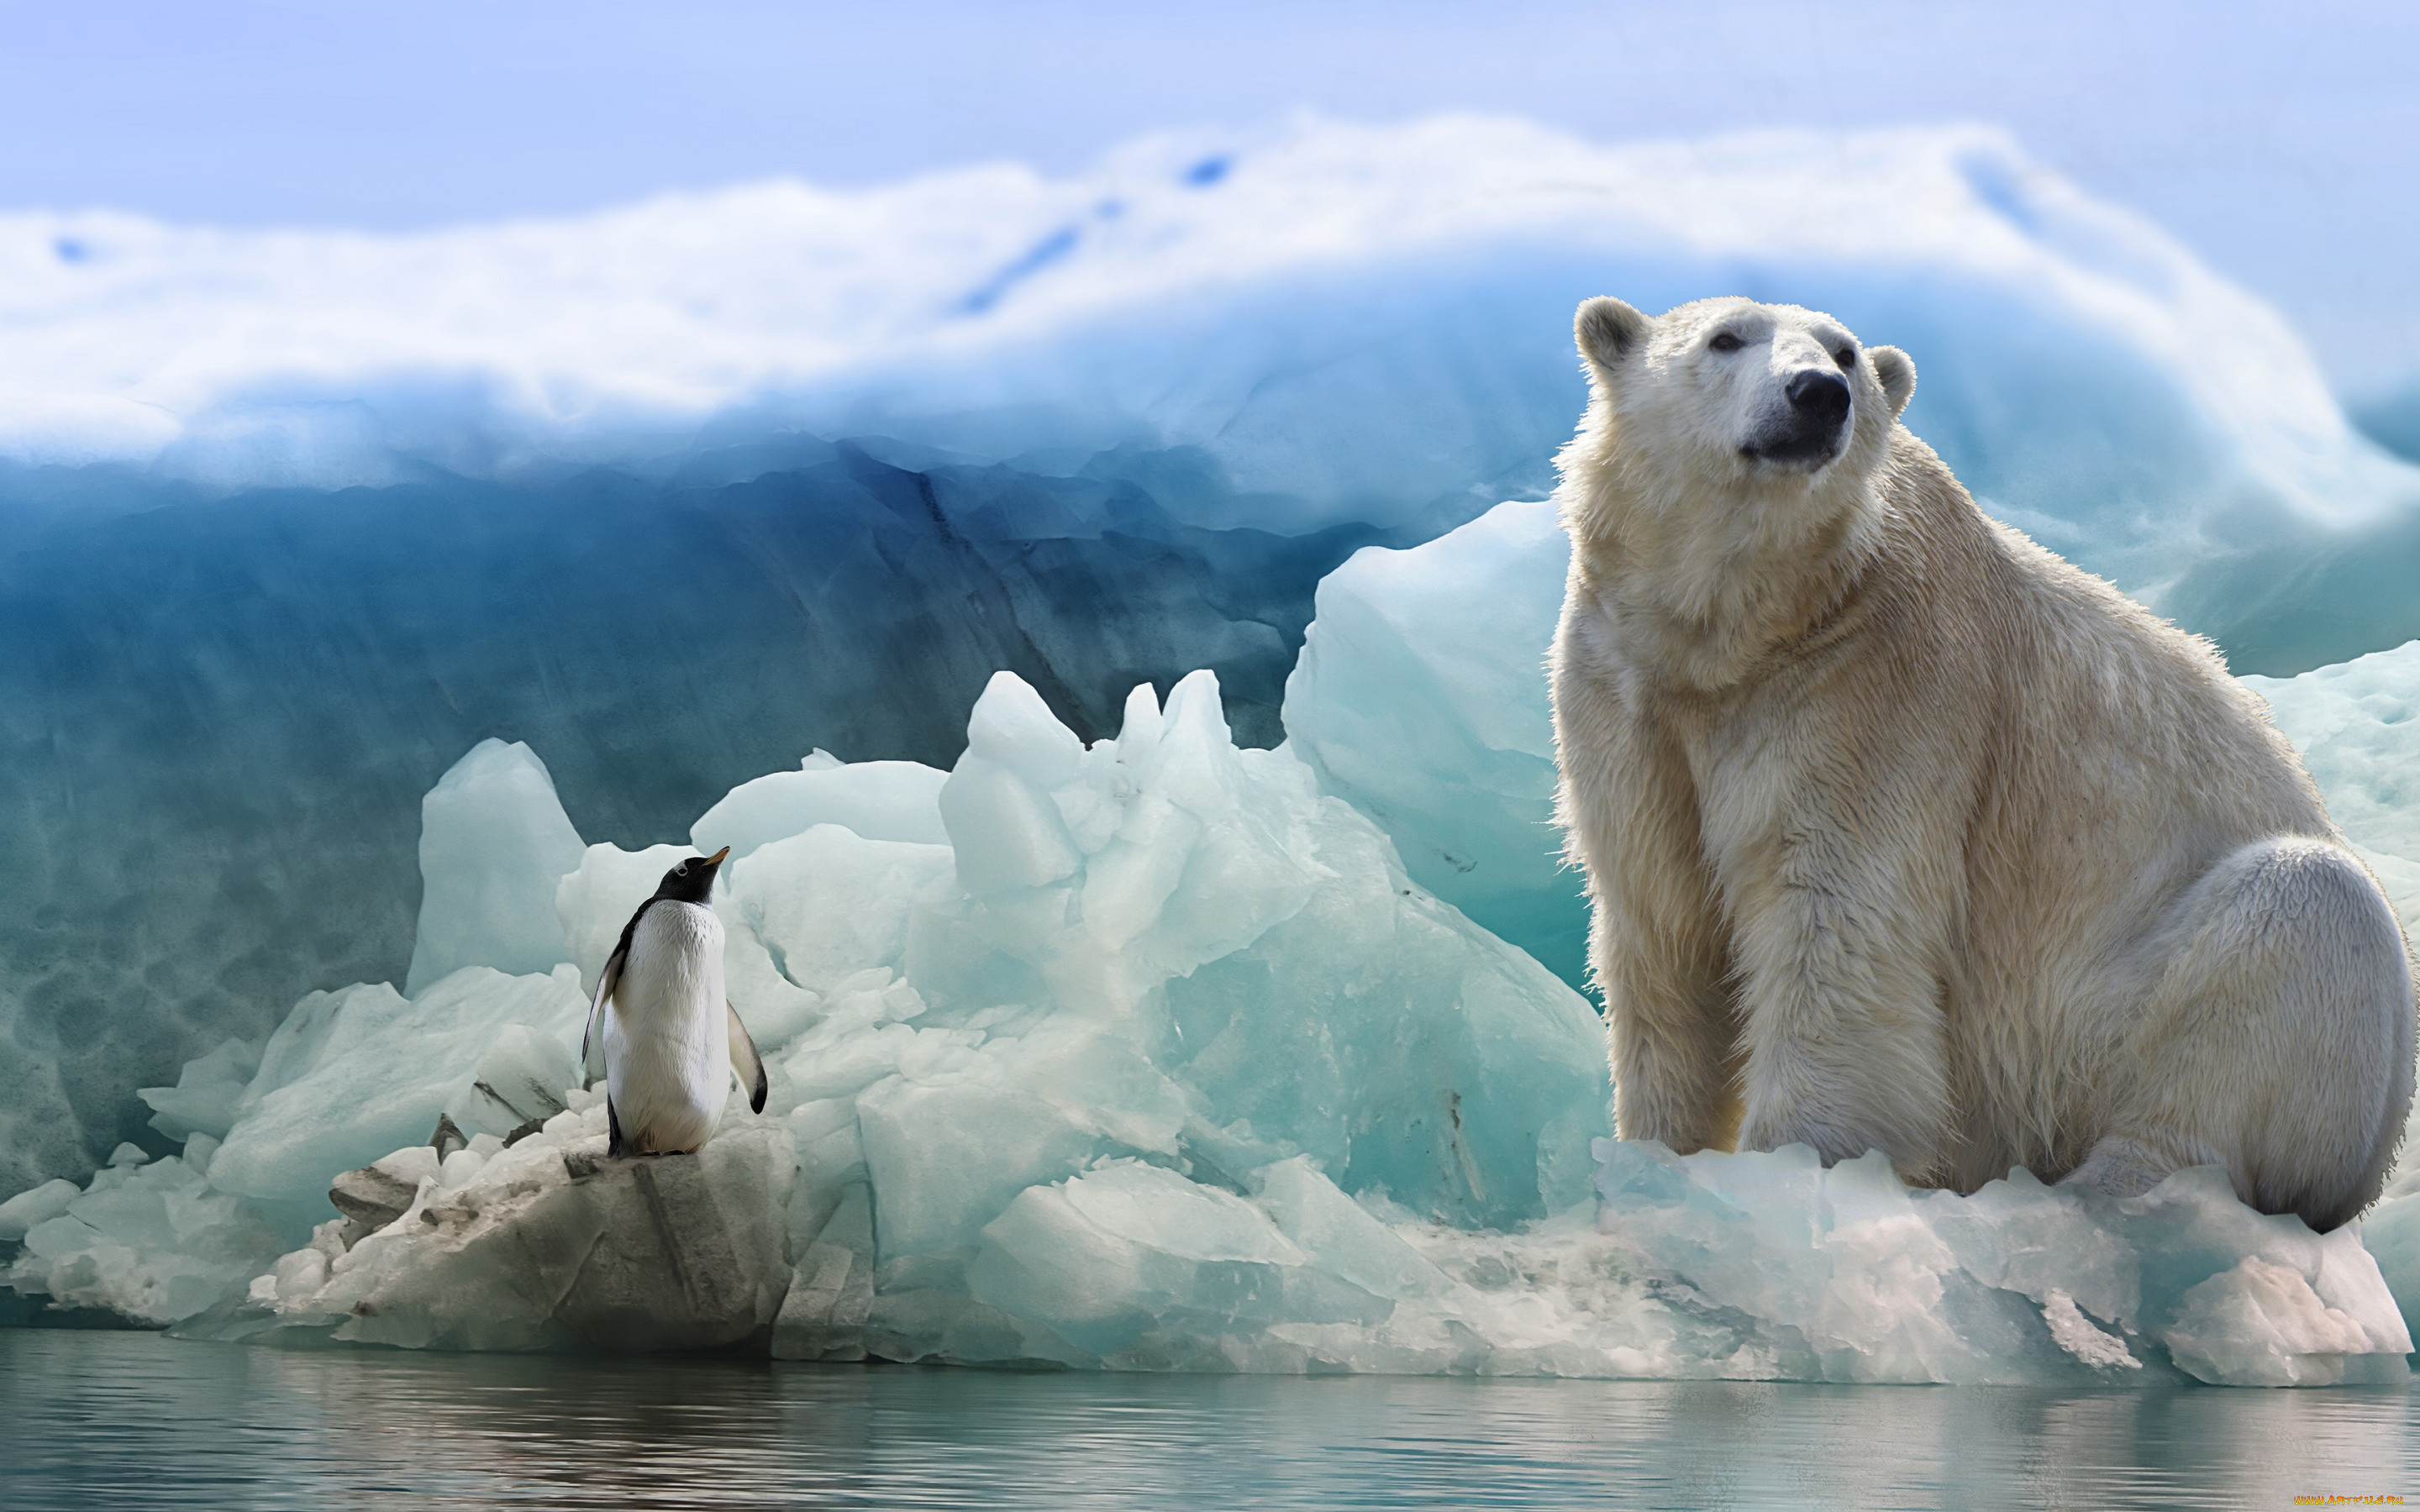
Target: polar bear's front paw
pixel 1829 1140
pixel 1836 1139
pixel 2128 1167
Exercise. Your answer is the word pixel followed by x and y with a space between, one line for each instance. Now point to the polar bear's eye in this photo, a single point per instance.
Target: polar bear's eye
pixel 1723 342
pixel 1846 357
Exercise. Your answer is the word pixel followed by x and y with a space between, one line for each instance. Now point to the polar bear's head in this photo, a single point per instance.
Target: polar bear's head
pixel 1767 414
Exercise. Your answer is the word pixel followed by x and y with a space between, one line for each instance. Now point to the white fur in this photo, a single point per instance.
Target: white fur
pixel 1903 833
pixel 667 1047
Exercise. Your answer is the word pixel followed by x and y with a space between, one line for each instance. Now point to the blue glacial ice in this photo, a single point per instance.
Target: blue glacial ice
pixel 1155 1059
pixel 1420 698
pixel 675 492
pixel 1093 972
pixel 490 846
pixel 220 716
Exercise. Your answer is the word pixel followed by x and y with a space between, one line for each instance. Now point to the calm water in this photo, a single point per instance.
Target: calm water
pixel 135 1420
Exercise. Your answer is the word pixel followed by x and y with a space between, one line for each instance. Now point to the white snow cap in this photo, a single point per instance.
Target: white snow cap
pixel 1348 319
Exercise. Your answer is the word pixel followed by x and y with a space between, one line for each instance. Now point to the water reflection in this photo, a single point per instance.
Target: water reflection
pixel 140 1421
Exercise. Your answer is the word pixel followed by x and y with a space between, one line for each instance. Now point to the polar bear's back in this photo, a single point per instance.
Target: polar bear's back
pixel 2073 690
pixel 2105 760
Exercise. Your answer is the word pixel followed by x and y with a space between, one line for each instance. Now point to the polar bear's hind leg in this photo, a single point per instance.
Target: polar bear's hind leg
pixel 2277 1041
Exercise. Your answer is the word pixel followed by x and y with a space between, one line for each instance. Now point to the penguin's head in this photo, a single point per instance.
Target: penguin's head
pixel 692 881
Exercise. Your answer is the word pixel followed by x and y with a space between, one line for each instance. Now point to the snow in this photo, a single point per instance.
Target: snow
pixel 1160 1060
pixel 1414 280
pixel 1344 323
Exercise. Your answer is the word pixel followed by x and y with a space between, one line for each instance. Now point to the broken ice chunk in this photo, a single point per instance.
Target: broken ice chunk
pixel 382 1073
pixel 876 800
pixel 2076 1333
pixel 378 1194
pixel 2262 1324
pixel 493 843
pixel 520 1079
pixel 1128 1250
pixel 207 1091
pixel 29 1209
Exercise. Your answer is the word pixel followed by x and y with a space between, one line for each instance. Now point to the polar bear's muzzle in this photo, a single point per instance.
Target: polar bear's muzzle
pixel 1808 428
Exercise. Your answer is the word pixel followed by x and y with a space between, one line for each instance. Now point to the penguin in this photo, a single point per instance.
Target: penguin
pixel 670 1037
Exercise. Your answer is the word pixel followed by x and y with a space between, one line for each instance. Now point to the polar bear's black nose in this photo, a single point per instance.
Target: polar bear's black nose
pixel 1818 396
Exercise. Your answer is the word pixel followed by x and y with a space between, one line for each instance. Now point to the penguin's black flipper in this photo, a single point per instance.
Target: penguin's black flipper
pixel 745 1061
pixel 591 1039
pixel 613 1146
pixel 611 977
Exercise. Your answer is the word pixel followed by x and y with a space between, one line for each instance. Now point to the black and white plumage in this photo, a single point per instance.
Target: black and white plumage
pixel 670 1037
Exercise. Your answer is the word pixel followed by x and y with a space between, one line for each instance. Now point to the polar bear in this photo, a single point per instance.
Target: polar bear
pixel 1903 834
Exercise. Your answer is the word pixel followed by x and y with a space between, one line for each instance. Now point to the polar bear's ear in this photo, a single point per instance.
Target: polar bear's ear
pixel 1897 375
pixel 1608 330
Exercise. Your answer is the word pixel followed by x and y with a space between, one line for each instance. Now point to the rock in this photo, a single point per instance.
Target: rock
pixel 550 1244
pixel 382 1191
pixel 447 1138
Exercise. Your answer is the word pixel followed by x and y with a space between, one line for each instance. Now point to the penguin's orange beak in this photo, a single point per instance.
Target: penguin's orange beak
pixel 716 859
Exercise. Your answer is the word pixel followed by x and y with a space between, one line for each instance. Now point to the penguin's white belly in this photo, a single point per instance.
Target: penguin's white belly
pixel 667 1050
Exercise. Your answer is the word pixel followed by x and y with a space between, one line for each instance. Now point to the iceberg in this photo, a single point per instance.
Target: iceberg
pixel 147 1242
pixel 491 841
pixel 253 695
pixel 677 491
pixel 352 1074
pixel 1157 1058
pixel 1159 947
pixel 2018 1280
pixel 1421 699
pixel 545 1244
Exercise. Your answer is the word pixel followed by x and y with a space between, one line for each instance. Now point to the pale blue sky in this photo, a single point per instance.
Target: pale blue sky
pixel 2281 142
